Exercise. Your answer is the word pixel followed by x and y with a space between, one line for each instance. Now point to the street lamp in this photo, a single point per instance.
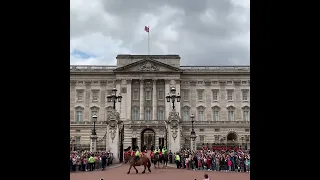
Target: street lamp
pixel 94 119
pixel 193 135
pixel 113 97
pixel 173 96
pixel 242 141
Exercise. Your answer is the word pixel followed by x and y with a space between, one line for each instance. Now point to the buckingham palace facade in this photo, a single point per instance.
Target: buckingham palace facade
pixel 218 96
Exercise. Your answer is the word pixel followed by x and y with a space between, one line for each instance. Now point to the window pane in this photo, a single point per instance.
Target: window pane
pixel 161 94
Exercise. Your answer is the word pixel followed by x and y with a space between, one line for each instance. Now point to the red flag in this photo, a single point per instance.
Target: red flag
pixel 146 28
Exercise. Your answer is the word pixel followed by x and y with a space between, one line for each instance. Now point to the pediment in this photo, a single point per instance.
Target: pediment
pixel 147 65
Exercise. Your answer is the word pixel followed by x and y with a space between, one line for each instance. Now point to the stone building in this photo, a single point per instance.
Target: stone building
pixel 218 96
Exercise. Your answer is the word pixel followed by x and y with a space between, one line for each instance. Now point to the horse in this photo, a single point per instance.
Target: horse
pixel 156 159
pixel 164 158
pixel 142 161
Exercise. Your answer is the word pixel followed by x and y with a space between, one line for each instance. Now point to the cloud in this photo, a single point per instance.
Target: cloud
pixel 202 32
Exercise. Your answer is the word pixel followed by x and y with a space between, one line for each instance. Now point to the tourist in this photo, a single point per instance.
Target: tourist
pixel 214 160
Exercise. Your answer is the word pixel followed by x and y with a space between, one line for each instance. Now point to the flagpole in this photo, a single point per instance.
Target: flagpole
pixel 148 42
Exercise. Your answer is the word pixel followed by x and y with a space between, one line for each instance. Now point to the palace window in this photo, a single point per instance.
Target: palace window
pixel 80 93
pixel 230 94
pixel 201 116
pixel 148 113
pixel 94 111
pixel 215 94
pixel 245 111
pixel 200 94
pixel 245 93
pixel 216 113
pixel 95 95
pixel 230 113
pixel 135 113
pixel 161 113
pixel 185 95
pixel 79 114
pixel 161 94
pixel 148 94
pixel 135 94
pixel 185 113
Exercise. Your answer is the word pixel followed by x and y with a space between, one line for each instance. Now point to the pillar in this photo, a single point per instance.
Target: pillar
pixel 154 99
pixel 129 99
pixel 142 99
pixel 93 143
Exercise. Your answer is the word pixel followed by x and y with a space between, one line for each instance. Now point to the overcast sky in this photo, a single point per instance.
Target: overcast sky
pixel 202 32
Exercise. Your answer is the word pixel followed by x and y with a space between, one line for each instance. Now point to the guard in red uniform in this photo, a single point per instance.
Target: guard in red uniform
pixel 151 154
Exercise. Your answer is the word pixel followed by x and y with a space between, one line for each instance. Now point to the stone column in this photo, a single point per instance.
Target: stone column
pixel 193 97
pixel 154 100
pixel 72 98
pixel 237 99
pixel 102 114
pixel 223 101
pixel 123 104
pixel 87 101
pixel 141 99
pixel 208 100
pixel 193 145
pixel 129 99
pixel 93 143
pixel 112 144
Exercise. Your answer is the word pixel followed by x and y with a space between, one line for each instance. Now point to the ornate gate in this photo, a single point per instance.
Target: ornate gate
pixel 148 139
pixel 121 138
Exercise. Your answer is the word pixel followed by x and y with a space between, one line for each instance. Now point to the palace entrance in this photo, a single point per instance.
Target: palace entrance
pixel 148 137
pixel 232 139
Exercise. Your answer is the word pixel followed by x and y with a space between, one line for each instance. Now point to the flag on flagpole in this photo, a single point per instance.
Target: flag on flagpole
pixel 146 28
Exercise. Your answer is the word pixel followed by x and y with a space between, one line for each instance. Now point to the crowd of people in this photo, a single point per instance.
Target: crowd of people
pixel 87 161
pixel 222 158
pixel 210 159
pixel 226 159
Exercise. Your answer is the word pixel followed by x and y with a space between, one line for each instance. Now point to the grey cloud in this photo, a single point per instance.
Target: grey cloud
pixel 199 43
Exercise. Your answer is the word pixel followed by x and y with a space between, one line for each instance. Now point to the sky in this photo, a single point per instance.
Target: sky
pixel 202 32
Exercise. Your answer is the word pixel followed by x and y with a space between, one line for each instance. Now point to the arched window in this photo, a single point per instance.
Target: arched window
pixel 216 113
pixel 231 110
pixel 148 113
pixel 201 115
pixel 161 113
pixel 79 113
pixel 94 111
pixel 185 113
pixel 135 113
pixel 246 113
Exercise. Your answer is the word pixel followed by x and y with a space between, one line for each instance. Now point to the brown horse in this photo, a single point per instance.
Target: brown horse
pixel 142 161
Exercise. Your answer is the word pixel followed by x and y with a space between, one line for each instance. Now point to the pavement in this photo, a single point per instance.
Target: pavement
pixel 107 168
pixel 119 171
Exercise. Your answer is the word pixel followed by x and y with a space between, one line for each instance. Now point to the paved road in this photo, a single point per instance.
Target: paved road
pixel 156 174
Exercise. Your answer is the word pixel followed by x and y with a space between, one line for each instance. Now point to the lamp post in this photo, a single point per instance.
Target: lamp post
pixel 173 97
pixel 94 119
pixel 242 142
pixel 193 135
pixel 93 144
pixel 113 97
